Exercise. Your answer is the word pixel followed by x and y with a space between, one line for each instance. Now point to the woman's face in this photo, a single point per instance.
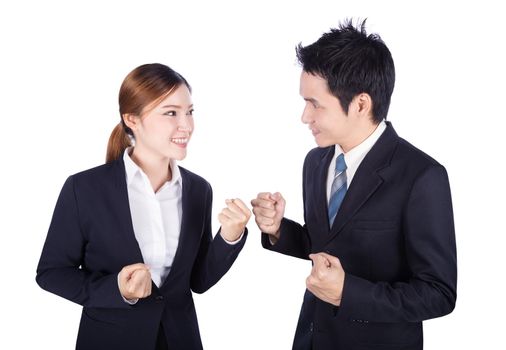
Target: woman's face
pixel 163 131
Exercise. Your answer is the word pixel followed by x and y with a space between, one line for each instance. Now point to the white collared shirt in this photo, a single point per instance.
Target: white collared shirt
pixel 353 157
pixel 156 217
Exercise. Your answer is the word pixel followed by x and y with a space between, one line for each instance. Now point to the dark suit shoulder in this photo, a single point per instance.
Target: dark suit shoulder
pixel 316 154
pixel 95 172
pixel 412 162
pixel 99 174
pixel 194 178
pixel 414 156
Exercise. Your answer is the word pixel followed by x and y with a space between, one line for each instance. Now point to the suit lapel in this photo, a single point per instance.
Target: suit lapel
pixel 320 204
pixel 367 179
pixel 187 225
pixel 361 189
pixel 123 213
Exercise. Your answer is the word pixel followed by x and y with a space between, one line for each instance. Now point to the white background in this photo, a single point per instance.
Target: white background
pixel 61 65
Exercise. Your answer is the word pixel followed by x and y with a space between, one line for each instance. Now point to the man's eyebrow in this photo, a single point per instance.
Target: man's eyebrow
pixel 310 99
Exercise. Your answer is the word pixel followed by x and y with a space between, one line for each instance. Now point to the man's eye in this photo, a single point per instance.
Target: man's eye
pixel 190 112
pixel 170 113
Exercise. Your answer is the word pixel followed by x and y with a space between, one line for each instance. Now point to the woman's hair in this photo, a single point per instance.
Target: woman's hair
pixel 145 85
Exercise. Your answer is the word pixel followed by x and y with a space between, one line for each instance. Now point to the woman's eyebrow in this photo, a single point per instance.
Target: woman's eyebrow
pixel 176 106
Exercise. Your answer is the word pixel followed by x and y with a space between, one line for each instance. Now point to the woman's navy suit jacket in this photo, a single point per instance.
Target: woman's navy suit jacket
pixel 91 239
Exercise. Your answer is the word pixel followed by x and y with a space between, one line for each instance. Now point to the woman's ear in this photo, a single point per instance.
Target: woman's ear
pixel 131 121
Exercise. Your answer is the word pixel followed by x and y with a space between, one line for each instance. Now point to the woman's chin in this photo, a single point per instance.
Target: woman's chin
pixel 179 155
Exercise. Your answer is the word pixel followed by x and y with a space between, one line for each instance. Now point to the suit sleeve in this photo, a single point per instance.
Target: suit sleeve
pixel 431 250
pixel 60 270
pixel 215 256
pixel 294 238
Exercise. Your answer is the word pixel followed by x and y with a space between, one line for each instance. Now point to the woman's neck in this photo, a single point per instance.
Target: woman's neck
pixel 155 167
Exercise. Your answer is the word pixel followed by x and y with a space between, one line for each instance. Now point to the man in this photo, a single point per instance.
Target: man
pixel 378 214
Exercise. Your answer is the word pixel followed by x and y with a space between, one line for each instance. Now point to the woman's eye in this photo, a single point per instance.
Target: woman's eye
pixel 170 113
pixel 190 112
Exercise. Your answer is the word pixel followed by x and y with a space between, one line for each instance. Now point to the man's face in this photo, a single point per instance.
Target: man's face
pixel 323 113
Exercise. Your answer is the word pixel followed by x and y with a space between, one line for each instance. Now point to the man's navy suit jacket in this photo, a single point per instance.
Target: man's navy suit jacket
pixel 394 235
pixel 91 239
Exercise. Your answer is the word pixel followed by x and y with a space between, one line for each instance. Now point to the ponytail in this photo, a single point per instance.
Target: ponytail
pixel 118 142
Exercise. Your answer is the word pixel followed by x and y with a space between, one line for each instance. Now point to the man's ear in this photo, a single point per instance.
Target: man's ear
pixel 363 104
pixel 131 121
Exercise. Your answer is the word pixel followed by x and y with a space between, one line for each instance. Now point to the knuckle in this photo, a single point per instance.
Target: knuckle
pixel 268 212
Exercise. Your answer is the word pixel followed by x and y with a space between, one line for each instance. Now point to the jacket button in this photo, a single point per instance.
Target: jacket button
pixel 159 298
pixel 311 327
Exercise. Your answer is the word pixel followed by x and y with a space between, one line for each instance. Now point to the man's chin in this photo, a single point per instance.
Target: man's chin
pixel 323 143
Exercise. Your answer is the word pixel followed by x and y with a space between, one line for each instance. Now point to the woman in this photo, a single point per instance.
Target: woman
pixel 130 240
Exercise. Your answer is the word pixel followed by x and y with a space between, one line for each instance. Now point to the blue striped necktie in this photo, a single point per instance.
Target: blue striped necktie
pixel 338 189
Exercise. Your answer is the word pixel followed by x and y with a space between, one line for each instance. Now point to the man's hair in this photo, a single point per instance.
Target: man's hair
pixel 352 63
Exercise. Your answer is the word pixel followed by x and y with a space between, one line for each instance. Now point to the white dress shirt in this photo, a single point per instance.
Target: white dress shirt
pixel 353 157
pixel 156 217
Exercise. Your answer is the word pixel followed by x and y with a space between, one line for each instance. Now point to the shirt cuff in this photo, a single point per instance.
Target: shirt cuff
pixel 236 241
pixel 128 301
